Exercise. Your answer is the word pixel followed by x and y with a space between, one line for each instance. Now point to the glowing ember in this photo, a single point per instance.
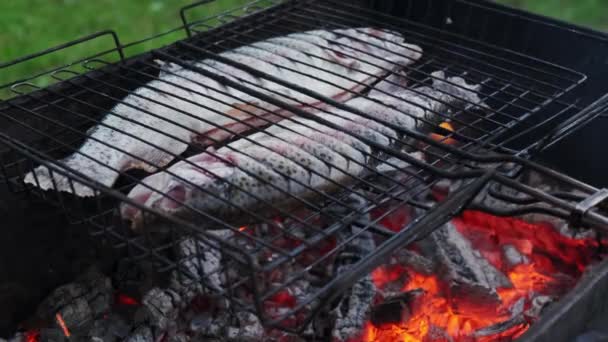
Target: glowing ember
pixel 32 336
pixel 62 324
pixel 551 264
pixel 443 138
pixel 242 228
pixel 123 299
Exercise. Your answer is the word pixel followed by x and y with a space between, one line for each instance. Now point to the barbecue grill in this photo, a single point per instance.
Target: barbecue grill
pixel 535 97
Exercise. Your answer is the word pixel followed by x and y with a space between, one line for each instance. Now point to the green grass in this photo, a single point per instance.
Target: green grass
pixel 593 13
pixel 28 26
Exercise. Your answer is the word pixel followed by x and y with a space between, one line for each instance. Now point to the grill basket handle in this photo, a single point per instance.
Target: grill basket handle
pixel 598 109
pixel 188 25
pixel 118 48
pixel 67 45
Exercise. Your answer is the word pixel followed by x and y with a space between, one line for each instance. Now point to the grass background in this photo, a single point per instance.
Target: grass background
pixel 28 26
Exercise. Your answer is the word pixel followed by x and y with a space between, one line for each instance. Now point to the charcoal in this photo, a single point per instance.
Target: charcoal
pixel 415 260
pixel 353 309
pixel 79 302
pixel 471 278
pixel 110 328
pixel 352 312
pixel 52 335
pixel 436 334
pixel 538 306
pixel 517 318
pixel 160 308
pixel 500 327
pixel 513 256
pixel 142 333
pixel 394 312
pixel 77 314
pixel 179 337
pixel 208 325
pixel 249 328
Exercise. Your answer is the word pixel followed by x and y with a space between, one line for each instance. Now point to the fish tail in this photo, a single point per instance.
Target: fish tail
pixel 46 179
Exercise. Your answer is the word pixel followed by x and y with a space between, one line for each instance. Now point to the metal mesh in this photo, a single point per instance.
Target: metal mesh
pixel 272 247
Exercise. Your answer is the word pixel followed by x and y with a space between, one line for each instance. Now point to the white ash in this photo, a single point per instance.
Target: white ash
pixel 467 272
pixel 352 312
pixel 160 307
pixel 353 309
pixel 538 305
pixel 415 260
pixel 249 328
pixel 207 324
pixel 513 256
pixel 203 259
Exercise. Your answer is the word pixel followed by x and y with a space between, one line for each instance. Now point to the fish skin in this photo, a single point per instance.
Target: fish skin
pixel 343 155
pixel 205 106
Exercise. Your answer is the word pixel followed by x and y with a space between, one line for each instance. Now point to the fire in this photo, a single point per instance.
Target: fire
pixel 443 138
pixel 62 324
pixel 553 264
pixel 123 299
pixel 32 336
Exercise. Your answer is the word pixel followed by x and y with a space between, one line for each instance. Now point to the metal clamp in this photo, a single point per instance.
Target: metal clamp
pixel 596 200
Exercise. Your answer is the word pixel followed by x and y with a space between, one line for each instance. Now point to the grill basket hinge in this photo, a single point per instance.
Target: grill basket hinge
pixel 596 200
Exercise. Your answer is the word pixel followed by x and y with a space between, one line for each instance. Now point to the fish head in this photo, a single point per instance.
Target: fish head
pixel 373 47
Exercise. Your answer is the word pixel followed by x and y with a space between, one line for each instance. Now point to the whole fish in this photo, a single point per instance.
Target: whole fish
pixel 292 161
pixel 158 121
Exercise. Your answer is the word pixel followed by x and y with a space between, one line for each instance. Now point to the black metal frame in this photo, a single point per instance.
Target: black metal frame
pixel 515 85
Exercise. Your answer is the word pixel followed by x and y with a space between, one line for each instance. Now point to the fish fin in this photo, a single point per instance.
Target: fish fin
pixel 395 82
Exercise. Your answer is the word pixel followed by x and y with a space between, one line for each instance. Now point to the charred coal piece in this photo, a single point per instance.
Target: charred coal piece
pixel 141 334
pixel 395 310
pixel 415 260
pixel 160 308
pixel 77 304
pixel 471 279
pixel 353 309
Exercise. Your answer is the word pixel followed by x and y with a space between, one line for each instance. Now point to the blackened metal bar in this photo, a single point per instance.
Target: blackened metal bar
pixel 418 229
pixel 514 53
pixel 426 54
pixel 286 118
pixel 199 212
pixel 455 118
pixel 298 111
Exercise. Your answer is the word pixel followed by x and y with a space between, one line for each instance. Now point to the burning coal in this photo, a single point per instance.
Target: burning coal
pixel 540 265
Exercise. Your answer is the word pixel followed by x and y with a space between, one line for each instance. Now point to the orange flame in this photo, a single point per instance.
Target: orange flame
pixel 548 253
pixel 443 138
pixel 62 324
pixel 242 228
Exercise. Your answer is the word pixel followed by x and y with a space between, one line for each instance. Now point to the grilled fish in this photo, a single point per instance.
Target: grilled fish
pixel 155 123
pixel 295 160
